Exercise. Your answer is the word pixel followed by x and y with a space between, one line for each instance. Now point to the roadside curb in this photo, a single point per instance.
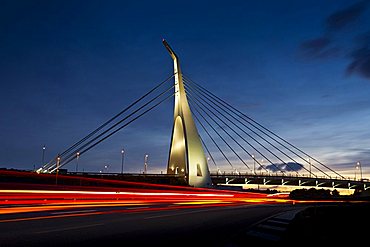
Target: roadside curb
pixel 269 230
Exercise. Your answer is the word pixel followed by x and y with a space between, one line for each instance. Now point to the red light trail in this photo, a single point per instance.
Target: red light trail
pixel 55 201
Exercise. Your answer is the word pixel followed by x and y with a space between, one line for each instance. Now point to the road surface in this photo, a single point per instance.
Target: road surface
pixel 136 225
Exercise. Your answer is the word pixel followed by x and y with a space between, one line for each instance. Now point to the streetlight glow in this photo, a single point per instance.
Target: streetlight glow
pixel 77 157
pixel 358 167
pixel 146 163
pixel 56 174
pixel 43 155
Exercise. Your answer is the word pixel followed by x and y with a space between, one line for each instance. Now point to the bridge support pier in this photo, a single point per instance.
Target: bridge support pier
pixel 186 155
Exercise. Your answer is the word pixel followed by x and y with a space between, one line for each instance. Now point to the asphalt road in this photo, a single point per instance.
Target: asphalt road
pixel 157 225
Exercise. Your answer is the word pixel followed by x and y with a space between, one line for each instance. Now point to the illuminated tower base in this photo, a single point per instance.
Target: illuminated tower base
pixel 186 151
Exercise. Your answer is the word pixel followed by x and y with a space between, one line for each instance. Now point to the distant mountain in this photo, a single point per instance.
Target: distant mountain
pixel 289 167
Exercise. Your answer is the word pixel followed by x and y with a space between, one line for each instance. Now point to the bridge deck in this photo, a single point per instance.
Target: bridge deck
pixel 262 179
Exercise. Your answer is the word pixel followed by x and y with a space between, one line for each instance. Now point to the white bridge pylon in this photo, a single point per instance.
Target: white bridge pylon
pixel 186 155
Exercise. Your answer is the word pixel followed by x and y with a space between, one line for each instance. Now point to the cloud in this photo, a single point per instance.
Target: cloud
pixel 316 44
pixel 345 17
pixel 318 48
pixel 360 58
pixel 324 47
pixel 327 46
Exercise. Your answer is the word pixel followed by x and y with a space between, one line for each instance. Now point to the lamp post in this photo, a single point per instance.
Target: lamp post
pixel 358 167
pixel 77 157
pixel 254 164
pixel 56 174
pixel 122 159
pixel 43 155
pixel 145 163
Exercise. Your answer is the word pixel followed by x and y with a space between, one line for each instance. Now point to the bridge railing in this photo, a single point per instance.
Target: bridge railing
pixel 286 175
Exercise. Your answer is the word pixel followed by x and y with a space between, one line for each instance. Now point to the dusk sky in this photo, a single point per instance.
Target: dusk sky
pixel 300 68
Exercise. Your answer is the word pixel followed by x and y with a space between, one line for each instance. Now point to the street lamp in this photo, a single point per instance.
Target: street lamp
pixel 43 155
pixel 58 163
pixel 146 163
pixel 122 159
pixel 254 164
pixel 77 157
pixel 56 174
pixel 358 166
pixel 309 162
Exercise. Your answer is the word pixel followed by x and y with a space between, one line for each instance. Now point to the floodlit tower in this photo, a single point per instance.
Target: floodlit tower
pixel 186 155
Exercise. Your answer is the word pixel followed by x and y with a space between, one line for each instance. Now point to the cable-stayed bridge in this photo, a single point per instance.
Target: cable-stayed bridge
pixel 209 131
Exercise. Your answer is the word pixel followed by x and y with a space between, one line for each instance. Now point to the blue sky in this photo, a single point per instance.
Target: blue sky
pixel 300 68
